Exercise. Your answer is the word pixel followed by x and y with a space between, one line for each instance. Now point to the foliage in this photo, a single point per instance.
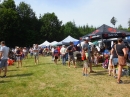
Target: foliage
pixel 113 21
pixel 51 27
pixel 20 26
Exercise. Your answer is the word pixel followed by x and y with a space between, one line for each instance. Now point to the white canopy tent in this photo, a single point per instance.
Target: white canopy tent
pixel 46 43
pixel 68 39
pixel 53 43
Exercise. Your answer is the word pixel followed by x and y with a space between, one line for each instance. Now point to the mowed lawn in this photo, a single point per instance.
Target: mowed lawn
pixel 50 80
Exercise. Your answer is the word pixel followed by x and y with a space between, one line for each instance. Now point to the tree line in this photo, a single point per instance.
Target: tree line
pixel 20 26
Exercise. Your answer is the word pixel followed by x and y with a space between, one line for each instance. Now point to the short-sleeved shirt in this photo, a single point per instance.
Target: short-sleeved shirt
pixel 70 48
pixel 86 45
pixel 18 52
pixel 5 52
pixel 119 49
pixel 55 52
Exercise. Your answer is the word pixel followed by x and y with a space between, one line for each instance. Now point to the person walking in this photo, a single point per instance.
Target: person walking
pixel 4 52
pixel 87 46
pixel 70 51
pixel 63 54
pixel 55 53
pixel 122 55
pixel 114 59
pixel 19 56
pixel 36 54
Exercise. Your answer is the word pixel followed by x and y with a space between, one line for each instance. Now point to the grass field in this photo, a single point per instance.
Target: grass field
pixel 50 80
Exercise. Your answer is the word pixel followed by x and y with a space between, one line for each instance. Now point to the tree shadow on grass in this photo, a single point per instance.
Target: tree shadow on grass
pixel 21 75
pixel 126 81
pixel 45 64
pixel 12 70
pixel 4 81
pixel 30 66
pixel 103 72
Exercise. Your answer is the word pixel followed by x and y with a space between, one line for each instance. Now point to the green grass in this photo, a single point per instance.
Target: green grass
pixel 50 80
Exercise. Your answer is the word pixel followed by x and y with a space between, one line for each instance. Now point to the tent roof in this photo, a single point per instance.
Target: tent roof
pixel 105 29
pixel 46 43
pixel 69 39
pixel 53 43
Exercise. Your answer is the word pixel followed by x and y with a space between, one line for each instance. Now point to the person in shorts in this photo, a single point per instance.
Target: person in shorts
pixel 55 53
pixel 114 59
pixel 86 45
pixel 70 51
pixel 4 52
pixel 19 56
pixel 85 63
pixel 36 53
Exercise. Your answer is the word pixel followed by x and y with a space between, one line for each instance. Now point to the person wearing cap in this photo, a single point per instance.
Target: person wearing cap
pixel 86 45
pixel 63 54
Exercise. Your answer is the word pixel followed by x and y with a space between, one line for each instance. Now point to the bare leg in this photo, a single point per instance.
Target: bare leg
pixel 74 64
pixel 69 63
pixel 119 73
pixel 5 71
pixel 35 60
pixel 86 71
pixel 90 67
pixel 83 70
pixel 21 62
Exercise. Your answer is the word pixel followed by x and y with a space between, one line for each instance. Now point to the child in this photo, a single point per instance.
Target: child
pixel 85 62
pixel 95 59
pixel 110 66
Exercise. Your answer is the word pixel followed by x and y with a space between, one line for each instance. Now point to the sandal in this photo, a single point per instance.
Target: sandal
pixel 120 82
pixel 92 72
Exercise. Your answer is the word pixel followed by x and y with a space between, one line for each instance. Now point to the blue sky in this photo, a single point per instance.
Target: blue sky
pixel 82 12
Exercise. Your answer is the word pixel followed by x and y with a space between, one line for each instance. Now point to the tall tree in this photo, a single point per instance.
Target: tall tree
pixel 113 21
pixel 28 27
pixel 71 29
pixel 51 27
pixel 8 22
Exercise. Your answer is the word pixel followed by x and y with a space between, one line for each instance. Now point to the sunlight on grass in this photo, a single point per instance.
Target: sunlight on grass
pixel 49 80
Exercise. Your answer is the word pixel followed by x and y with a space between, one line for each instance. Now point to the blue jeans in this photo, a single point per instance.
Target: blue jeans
pixel 64 59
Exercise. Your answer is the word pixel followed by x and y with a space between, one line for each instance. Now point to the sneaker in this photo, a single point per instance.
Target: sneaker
pixel 83 74
pixel 86 74
pixel 4 76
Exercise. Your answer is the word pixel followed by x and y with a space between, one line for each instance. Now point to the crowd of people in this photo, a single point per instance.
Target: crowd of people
pixel 87 54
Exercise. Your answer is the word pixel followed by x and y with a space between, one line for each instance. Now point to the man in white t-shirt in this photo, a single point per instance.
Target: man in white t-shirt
pixel 4 52
pixel 52 52
pixel 36 53
pixel 63 51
